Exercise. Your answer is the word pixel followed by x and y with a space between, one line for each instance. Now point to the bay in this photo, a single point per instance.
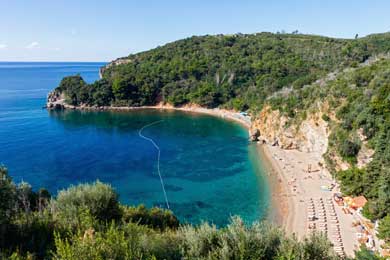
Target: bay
pixel 210 171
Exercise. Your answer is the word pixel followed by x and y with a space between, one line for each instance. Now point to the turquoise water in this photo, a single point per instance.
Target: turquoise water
pixel 210 170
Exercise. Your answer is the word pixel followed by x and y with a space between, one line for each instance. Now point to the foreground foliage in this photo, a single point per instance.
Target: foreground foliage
pixel 103 229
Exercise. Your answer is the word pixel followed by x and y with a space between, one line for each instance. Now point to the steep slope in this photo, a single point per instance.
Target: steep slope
pixel 347 118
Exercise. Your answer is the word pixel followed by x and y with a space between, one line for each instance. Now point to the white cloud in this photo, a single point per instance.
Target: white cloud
pixel 33 45
pixel 3 46
pixel 56 49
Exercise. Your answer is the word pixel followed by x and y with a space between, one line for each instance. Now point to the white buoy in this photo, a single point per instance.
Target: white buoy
pixel 158 156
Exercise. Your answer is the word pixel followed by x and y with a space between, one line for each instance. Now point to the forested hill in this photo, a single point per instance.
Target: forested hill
pixel 235 71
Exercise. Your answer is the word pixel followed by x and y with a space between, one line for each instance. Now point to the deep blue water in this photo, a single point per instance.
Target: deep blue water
pixel 209 169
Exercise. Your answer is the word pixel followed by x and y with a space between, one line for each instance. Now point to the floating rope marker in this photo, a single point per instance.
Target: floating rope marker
pixel 158 156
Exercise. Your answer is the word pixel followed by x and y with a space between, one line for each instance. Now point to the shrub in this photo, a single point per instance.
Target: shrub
pixel 97 199
pixel 384 229
pixel 8 197
pixel 155 218
pixel 349 149
pixel 365 254
pixel 352 181
pixel 325 117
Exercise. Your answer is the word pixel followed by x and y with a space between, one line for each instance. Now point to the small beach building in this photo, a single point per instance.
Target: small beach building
pixel 355 203
pixel 358 202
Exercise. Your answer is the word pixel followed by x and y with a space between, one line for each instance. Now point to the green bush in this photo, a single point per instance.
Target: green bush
pixel 155 218
pixel 113 243
pixel 87 222
pixel 365 254
pixel 325 117
pixel 384 229
pixel 349 149
pixel 97 199
pixel 8 197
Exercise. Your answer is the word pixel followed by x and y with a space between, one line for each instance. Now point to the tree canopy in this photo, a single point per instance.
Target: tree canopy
pixel 236 71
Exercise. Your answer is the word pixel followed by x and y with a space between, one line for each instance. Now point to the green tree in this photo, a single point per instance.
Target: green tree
pixel 75 89
pixel 7 195
pixel 365 254
pixel 384 229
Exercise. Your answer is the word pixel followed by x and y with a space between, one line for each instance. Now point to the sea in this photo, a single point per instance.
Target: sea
pixel 208 168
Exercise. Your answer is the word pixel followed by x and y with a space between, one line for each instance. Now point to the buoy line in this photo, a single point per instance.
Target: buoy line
pixel 158 156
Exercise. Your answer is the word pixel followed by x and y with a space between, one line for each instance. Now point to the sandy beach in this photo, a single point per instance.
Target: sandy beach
pixel 223 113
pixel 303 191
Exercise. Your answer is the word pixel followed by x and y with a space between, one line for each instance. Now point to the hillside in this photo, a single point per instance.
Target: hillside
pixel 355 105
pixel 238 71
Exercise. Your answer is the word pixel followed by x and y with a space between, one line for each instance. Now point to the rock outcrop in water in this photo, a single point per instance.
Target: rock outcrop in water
pixel 55 100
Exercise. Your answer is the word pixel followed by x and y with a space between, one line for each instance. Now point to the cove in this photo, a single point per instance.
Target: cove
pixel 210 170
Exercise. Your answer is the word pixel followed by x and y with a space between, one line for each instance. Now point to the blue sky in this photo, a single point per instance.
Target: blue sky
pixel 84 30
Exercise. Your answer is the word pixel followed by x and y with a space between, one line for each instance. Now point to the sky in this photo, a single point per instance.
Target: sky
pixel 85 30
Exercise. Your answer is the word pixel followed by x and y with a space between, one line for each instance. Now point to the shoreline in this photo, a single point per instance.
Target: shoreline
pixel 306 189
pixel 296 179
pixel 279 211
pixel 218 112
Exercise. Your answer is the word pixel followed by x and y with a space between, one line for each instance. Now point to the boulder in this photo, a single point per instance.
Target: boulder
pixel 254 135
pixel 58 106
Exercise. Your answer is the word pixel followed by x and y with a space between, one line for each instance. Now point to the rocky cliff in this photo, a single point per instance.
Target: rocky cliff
pixel 310 135
pixel 55 100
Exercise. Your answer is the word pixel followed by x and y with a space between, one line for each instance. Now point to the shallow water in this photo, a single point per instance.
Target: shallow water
pixel 209 169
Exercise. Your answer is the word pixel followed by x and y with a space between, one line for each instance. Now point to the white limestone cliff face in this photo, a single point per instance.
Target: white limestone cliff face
pixel 366 154
pixel 55 100
pixel 311 135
